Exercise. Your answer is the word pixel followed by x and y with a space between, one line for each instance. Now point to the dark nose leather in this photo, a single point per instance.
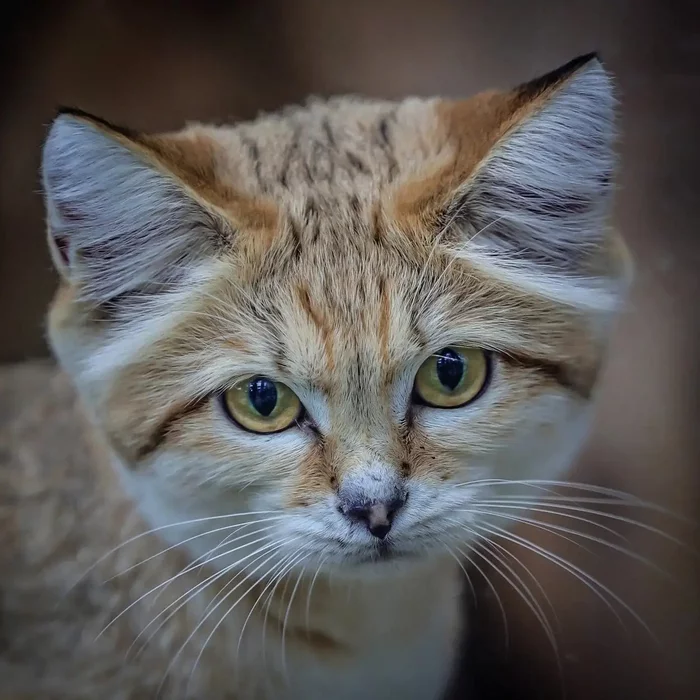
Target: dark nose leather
pixel 377 516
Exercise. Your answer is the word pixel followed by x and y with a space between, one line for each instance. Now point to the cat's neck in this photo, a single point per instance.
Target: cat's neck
pixel 394 634
pixel 341 612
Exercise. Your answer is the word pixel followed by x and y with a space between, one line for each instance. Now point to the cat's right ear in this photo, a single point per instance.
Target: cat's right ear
pixel 118 219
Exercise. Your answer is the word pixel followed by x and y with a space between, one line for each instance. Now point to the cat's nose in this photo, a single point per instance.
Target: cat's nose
pixel 377 516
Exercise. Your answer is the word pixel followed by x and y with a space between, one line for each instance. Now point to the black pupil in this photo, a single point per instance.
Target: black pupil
pixel 262 394
pixel 450 368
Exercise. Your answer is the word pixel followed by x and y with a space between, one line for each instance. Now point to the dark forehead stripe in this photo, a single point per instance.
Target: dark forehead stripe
pixel 330 143
pixel 384 320
pixel 320 322
pixel 384 140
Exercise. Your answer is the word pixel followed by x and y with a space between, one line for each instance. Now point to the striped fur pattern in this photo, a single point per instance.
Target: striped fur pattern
pixel 334 247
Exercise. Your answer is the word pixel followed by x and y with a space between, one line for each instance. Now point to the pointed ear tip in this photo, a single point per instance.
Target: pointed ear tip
pixel 65 117
pixel 591 63
pixel 71 125
pixel 590 57
pixel 68 127
pixel 586 69
pixel 75 115
pixel 60 127
pixel 590 70
pixel 71 118
pixel 60 110
pixel 64 114
pixel 586 64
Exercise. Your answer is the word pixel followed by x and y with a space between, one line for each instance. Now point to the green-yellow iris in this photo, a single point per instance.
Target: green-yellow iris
pixel 452 377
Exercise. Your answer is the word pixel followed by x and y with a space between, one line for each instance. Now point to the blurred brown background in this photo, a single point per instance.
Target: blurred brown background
pixel 154 65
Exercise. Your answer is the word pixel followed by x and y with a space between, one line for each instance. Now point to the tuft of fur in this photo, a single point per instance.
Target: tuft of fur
pixel 333 247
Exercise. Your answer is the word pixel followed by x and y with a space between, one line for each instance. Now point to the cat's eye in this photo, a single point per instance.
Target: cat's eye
pixel 262 405
pixel 452 377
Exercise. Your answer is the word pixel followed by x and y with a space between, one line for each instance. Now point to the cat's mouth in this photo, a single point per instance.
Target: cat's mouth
pixel 381 552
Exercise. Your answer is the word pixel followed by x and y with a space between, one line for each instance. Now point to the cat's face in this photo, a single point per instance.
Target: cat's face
pixel 346 326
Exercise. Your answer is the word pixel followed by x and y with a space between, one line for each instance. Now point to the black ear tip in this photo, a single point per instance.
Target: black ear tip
pixel 575 63
pixel 63 110
pixel 586 58
pixel 557 76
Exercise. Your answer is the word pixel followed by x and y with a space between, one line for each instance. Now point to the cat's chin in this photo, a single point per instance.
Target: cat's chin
pixel 379 560
pixel 381 555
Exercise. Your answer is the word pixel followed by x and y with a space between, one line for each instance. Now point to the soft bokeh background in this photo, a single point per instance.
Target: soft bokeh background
pixel 155 65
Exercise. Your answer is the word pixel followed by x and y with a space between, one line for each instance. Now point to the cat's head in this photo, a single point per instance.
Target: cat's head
pixel 352 320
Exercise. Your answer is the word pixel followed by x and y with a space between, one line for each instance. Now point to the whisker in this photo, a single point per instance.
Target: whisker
pixel 160 529
pixel 519 519
pixel 164 583
pixel 558 529
pixel 492 588
pixel 494 482
pixel 198 588
pixel 548 485
pixel 237 527
pixel 424 270
pixel 586 500
pixel 564 509
pixel 201 561
pixel 532 509
pixel 453 259
pixel 435 286
pixel 226 539
pixel 535 580
pixel 615 497
pixel 292 561
pixel 592 583
pixel 286 618
pixel 206 617
pixel 311 588
pixel 222 592
pixel 532 603
pixel 522 590
pixel 464 571
pixel 275 568
pixel 225 615
pixel 541 617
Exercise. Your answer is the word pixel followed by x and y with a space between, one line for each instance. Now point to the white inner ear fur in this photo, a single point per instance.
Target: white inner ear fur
pixel 536 209
pixel 125 224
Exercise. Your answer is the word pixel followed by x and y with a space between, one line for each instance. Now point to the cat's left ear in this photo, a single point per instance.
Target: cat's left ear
pixel 528 182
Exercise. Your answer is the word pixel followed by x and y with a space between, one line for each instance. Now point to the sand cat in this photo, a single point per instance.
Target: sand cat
pixel 299 356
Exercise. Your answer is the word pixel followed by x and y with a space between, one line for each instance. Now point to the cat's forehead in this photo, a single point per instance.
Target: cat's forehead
pixel 333 149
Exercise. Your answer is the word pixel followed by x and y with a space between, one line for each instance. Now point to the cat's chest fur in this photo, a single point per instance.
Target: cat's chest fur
pixel 102 639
